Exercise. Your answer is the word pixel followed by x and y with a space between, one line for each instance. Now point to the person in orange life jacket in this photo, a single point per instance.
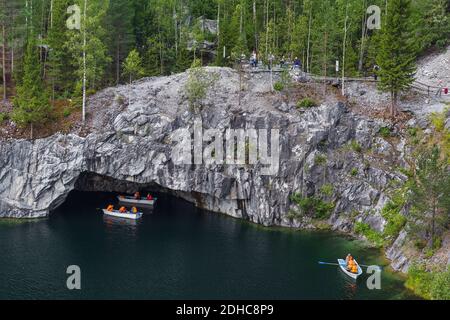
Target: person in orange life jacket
pixel 123 210
pixel 110 208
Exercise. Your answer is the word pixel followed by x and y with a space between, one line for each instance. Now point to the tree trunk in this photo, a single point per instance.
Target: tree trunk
pixel 433 223
pixel 309 40
pixel 117 62
pixel 255 26
pixel 84 63
pixel 394 98
pixel 4 59
pixel 344 46
pixel 175 22
pixel 363 39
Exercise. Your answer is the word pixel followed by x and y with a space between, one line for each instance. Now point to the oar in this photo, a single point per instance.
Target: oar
pixel 337 264
pixel 329 263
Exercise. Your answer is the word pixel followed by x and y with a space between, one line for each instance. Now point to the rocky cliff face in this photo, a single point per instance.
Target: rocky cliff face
pixel 131 144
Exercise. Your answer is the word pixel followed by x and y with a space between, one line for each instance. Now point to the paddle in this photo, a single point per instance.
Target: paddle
pixel 337 264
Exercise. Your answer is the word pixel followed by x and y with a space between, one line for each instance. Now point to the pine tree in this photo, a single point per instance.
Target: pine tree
pixel 132 66
pixel 430 195
pixel 60 62
pixel 397 54
pixel 120 33
pixel 31 104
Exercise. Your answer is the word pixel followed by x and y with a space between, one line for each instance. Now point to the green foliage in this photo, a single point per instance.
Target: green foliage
pixel 355 146
pixel 132 66
pixel 31 105
pixel 430 285
pixel 371 235
pixel 320 160
pixel 438 121
pixel 3 117
pixel 313 206
pixel 306 103
pixel 67 112
pixel 198 84
pixel 354 172
pixel 385 132
pixel 278 86
pixel 397 54
pixel 97 57
pixel 429 195
pixel 327 190
pixel 395 220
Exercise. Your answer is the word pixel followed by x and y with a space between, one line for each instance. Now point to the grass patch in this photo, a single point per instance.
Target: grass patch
pixel 376 238
pixel 278 86
pixel 327 190
pixel 67 112
pixel 313 206
pixel 385 132
pixel 320 160
pixel 438 121
pixel 306 103
pixel 395 220
pixel 430 285
pixel 355 146
pixel 3 117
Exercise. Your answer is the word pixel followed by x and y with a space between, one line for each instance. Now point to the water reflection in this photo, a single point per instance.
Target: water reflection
pixel 114 223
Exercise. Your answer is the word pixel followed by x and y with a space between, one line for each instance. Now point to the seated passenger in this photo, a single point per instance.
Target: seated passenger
pixel 123 210
pixel 149 197
pixel 110 208
pixel 134 210
pixel 137 196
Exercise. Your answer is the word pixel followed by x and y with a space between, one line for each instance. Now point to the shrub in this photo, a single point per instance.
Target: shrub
pixel 327 189
pixel 320 160
pixel 3 117
pixel 355 146
pixel 385 132
pixel 438 121
pixel 440 286
pixel 430 285
pixel 67 112
pixel 313 206
pixel 278 86
pixel 306 103
pixel 371 235
pixel 354 172
pixel 395 220
pixel 419 280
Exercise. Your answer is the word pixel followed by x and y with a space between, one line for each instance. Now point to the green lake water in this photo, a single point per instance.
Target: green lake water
pixel 177 252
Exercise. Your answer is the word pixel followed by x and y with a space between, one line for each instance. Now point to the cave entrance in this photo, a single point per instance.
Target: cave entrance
pixel 93 192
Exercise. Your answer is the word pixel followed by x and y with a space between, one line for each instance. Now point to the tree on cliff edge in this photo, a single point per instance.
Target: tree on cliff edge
pixel 31 105
pixel 430 196
pixel 397 54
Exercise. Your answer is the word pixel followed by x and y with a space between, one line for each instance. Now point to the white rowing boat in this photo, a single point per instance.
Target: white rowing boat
pixel 132 200
pixel 127 215
pixel 343 266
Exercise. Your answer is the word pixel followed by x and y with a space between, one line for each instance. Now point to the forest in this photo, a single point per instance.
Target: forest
pixel 55 50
